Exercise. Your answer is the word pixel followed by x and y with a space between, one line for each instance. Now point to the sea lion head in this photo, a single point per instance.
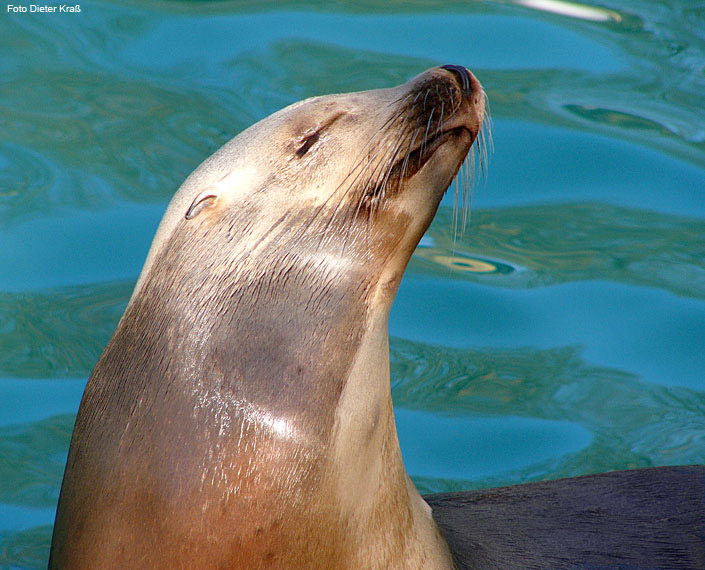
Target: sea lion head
pixel 355 177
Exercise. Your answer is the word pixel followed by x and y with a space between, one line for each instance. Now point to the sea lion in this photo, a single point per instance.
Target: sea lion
pixel 241 414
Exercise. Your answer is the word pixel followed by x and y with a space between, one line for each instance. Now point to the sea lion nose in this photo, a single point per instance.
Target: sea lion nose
pixel 468 82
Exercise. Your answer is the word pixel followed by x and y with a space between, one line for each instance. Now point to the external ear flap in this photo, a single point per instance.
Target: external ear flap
pixel 203 200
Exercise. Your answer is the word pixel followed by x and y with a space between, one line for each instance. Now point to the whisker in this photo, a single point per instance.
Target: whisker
pixel 452 102
pixel 425 135
pixel 425 98
pixel 384 148
pixel 405 164
pixel 393 162
pixel 357 166
pixel 440 118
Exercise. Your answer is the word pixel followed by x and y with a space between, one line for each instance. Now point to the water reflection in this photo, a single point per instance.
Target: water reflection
pixel 571 9
pixel 560 243
pixel 475 446
pixel 634 424
pixel 25 549
pixel 33 462
pixel 34 456
pixel 464 263
pixel 84 154
pixel 61 333
pixel 75 91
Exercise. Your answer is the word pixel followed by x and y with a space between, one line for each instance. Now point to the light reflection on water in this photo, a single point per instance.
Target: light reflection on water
pixel 574 301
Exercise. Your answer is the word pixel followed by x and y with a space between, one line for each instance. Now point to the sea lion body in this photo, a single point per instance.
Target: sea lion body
pixel 241 415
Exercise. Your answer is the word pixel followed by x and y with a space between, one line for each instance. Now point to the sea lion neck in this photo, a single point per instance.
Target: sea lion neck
pixel 257 324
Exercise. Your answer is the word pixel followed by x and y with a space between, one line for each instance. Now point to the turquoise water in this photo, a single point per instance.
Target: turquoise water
pixel 563 333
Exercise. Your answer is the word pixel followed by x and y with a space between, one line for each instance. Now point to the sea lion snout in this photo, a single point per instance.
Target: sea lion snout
pixel 468 81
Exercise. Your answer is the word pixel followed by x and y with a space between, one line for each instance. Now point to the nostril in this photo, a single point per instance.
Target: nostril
pixel 463 75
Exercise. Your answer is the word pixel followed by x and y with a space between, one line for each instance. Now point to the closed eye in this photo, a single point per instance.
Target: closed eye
pixel 308 142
